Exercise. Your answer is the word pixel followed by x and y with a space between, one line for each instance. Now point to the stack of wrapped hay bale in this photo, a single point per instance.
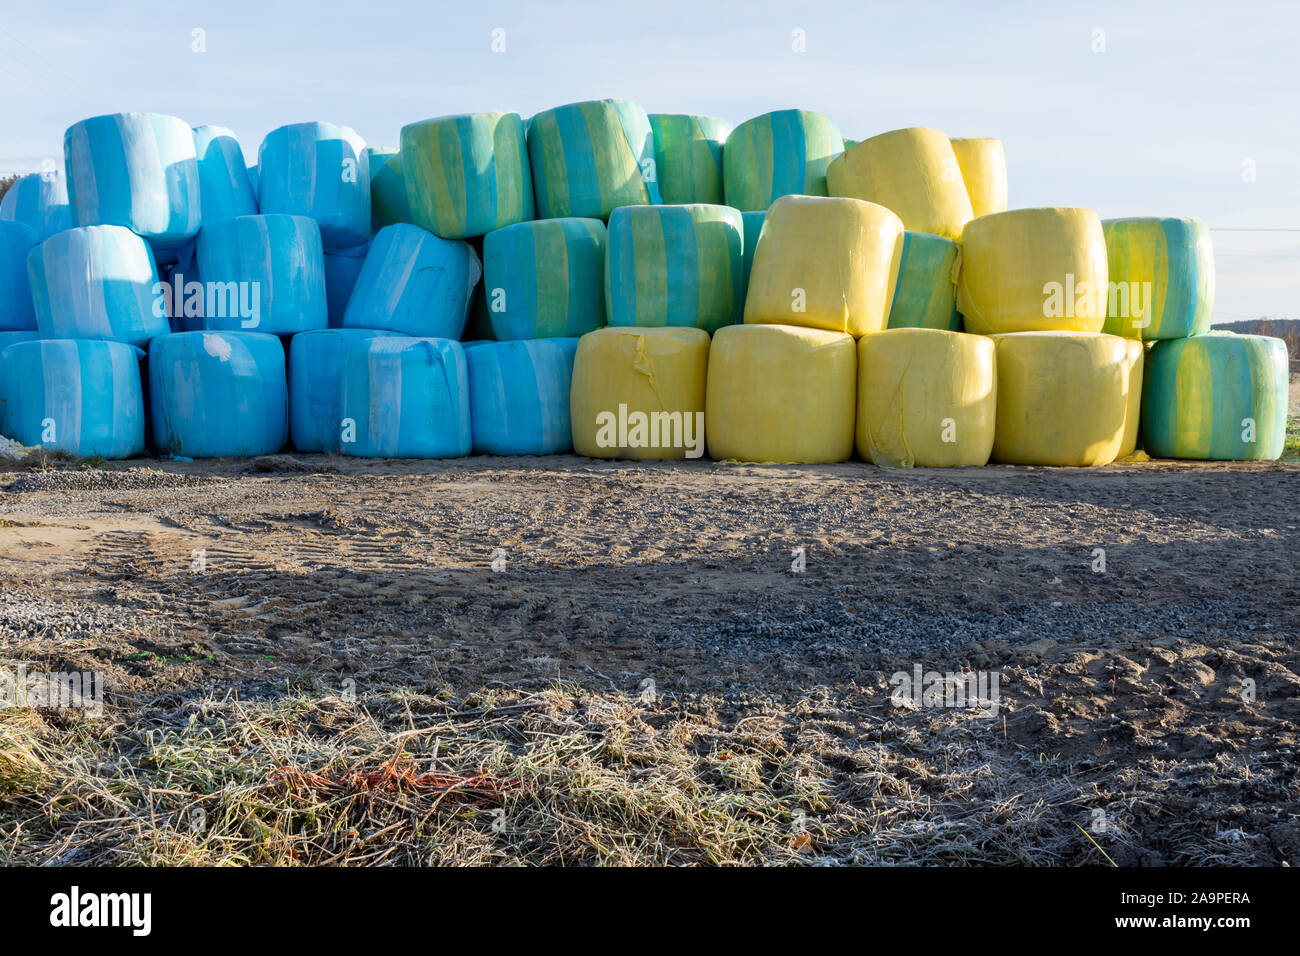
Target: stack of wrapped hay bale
pixel 641 275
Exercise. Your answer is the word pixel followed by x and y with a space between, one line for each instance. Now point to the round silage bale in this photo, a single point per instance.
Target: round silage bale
pixel 388 203
pixel 315 386
pixel 545 279
pixel 17 312
pixel 39 201
pixel 519 396
pixel 781 393
pixel 467 175
pixel 137 170
pixel 926 397
pixel 414 282
pixel 688 157
pixel 97 282
pixel 674 265
pixel 925 295
pixel 78 396
pixel 825 264
pixel 1033 270
pixel 983 165
pixel 224 189
pixel 639 393
pixel 778 154
pixel 589 158
pixel 1216 397
pixel 1160 277
pixel 753 227
pixel 405 397
pixel 218 394
pixel 273 263
pixel 342 267
pixel 1064 398
pixel 317 170
pixel 911 171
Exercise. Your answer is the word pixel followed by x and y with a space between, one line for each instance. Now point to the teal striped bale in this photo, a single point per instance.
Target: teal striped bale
pixel 1161 278
pixel 545 279
pixel 39 200
pixel 387 188
pixel 925 296
pixel 519 396
pixel 778 154
pixel 753 223
pixel 688 157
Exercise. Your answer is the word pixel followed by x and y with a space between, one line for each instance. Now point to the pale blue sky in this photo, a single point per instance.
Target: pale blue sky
pixel 1160 123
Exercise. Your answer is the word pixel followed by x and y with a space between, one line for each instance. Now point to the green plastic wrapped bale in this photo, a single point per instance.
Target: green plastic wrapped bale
pixel 926 295
pixel 688 157
pixel 1161 278
pixel 590 158
pixel 753 223
pixel 675 265
pixel 387 188
pixel 467 175
pixel 1216 397
pixel 545 279
pixel 778 154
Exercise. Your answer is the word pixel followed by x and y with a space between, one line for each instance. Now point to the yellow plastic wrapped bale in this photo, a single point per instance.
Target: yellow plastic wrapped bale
pixel 983 165
pixel 912 171
pixel 1064 398
pixel 781 393
pixel 825 264
pixel 1135 358
pixel 1033 270
pixel 639 393
pixel 926 397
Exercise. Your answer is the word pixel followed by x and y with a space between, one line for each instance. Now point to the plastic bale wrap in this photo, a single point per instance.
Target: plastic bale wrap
pixel 927 398
pixel 17 312
pixel 519 396
pixel 675 265
pixel 825 264
pixel 78 396
pixel 39 201
pixel 388 203
pixel 925 296
pixel 97 282
pixel 753 226
pixel 317 170
pixel 254 179
pixel 688 157
pixel 1033 270
pixel 778 154
pixel 1135 360
pixel 1216 397
pixel 1063 397
pixel 467 175
pixel 275 264
pixel 316 387
pixel 415 283
pixel 218 394
pixel 545 279
pixel 1161 278
pixel 224 189
pixel 405 398
pixel 781 393
pixel 983 165
pixel 589 158
pixel 639 393
pixel 341 271
pixel 137 170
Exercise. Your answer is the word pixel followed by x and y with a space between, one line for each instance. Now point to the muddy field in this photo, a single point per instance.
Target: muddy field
pixel 671 594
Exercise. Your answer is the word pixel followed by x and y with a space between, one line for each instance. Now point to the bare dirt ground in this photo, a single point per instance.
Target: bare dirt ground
pixel 642 677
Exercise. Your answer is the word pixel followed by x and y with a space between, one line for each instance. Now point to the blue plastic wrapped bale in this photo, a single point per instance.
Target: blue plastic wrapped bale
pixel 387 188
pixel 315 386
pixel 264 274
pixel 97 282
pixel 675 265
pixel 39 201
pixel 77 396
pixel 13 338
pixel 414 282
pixel 778 154
pixel 224 189
pixel 17 313
pixel 519 396
pixel 405 398
pixel 137 170
pixel 925 296
pixel 254 180
pixel 341 271
pixel 318 170
pixel 545 279
pixel 753 225
pixel 218 394
pixel 181 283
